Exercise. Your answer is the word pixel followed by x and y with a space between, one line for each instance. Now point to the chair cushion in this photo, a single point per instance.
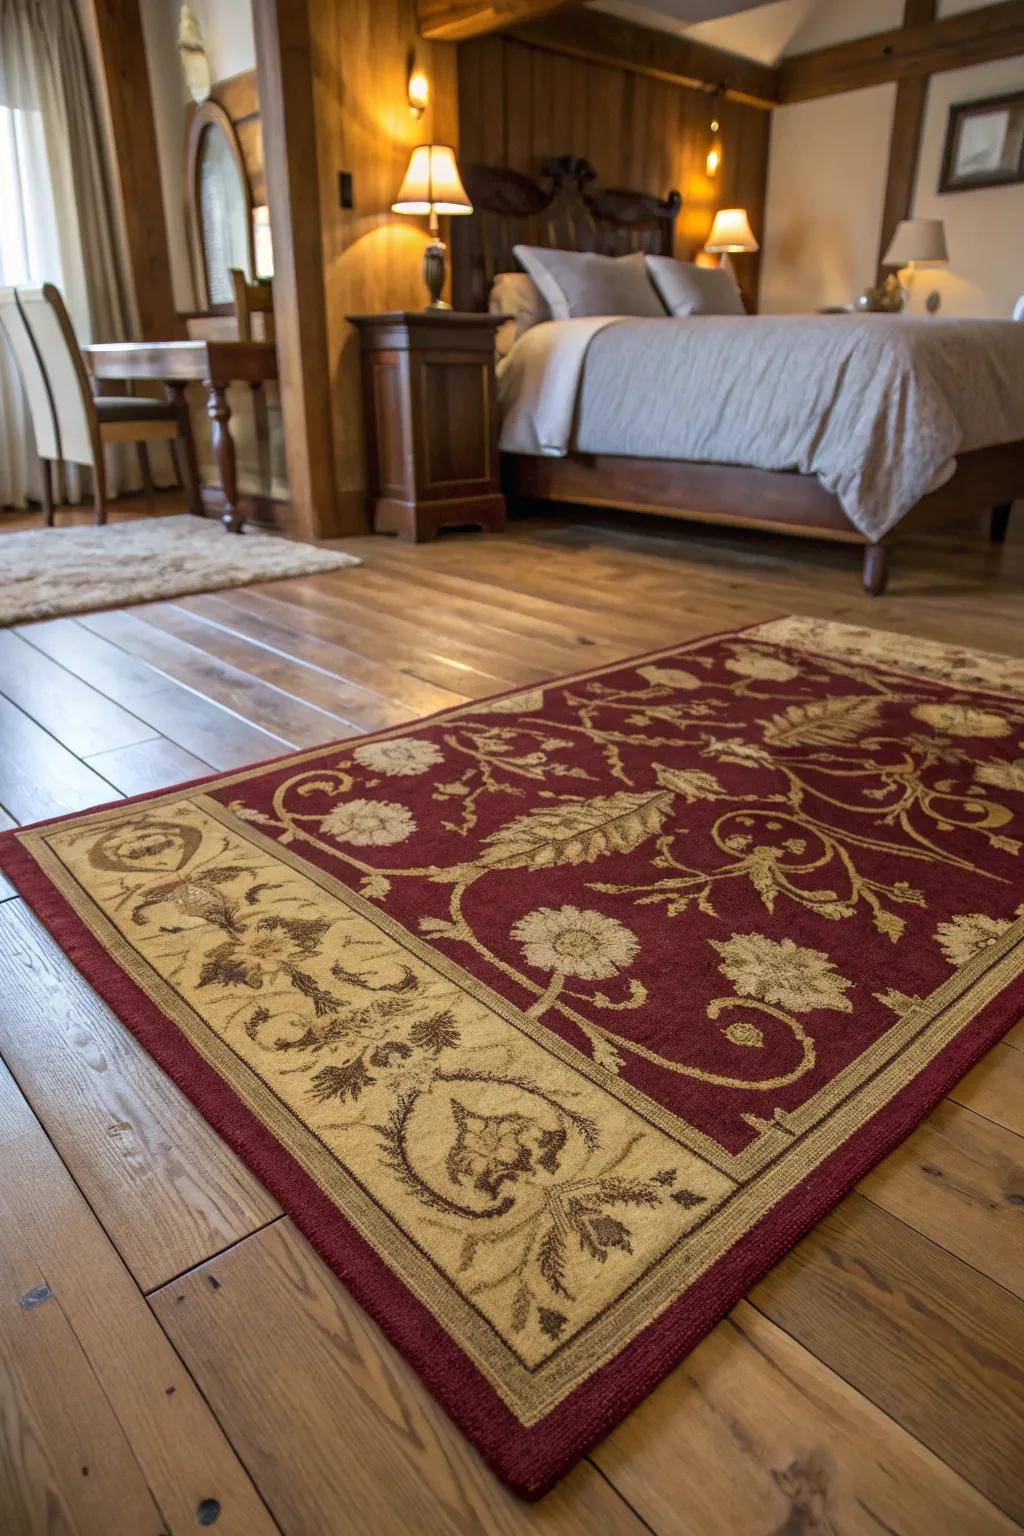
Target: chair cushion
pixel 130 408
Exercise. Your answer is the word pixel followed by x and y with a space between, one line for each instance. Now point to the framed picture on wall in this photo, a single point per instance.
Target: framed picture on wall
pixel 984 143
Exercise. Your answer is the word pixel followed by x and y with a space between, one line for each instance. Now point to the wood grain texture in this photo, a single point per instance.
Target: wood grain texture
pixel 522 103
pixel 154 764
pixel 184 717
pixel 103 1401
pixel 765 1438
pixel 400 1463
pixel 931 1342
pixel 75 714
pixel 372 259
pixel 959 1179
pixel 994 1088
pixel 167 1189
pixel 883 1391
pixel 285 59
pixel 39 778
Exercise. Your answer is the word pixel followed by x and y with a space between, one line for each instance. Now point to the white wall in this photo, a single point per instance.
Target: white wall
pixel 826 184
pixel 985 226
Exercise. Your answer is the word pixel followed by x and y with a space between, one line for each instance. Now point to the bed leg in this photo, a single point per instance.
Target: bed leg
pixel 876 569
pixel 1000 522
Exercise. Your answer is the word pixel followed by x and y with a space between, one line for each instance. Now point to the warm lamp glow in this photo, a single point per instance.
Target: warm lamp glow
pixel 731 231
pixel 432 183
pixel 714 160
pixel 419 92
pixel 917 242
pixel 262 242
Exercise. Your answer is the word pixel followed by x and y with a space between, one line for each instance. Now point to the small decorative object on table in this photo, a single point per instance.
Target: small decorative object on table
pixel 431 420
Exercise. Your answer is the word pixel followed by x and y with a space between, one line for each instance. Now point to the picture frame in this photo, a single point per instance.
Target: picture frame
pixel 984 143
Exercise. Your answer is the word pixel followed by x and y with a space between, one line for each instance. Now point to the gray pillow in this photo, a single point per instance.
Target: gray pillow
pixel 516 295
pixel 687 289
pixel 577 283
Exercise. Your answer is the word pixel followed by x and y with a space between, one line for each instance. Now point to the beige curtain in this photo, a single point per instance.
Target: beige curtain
pixel 58 221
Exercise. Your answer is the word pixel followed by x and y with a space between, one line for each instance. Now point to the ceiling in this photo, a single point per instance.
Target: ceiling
pixel 757 31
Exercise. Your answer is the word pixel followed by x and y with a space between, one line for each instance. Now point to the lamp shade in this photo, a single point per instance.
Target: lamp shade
pixel 731 231
pixel 432 183
pixel 916 240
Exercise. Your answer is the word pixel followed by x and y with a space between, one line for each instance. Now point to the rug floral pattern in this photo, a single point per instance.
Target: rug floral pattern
pixel 555 996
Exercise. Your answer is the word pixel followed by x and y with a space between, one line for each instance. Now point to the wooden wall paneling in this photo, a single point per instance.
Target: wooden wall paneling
pixel 117 31
pixel 637 130
pixel 372 259
pixel 516 146
pixel 284 67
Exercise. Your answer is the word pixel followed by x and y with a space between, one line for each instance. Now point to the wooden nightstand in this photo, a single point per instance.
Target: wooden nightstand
pixel 431 421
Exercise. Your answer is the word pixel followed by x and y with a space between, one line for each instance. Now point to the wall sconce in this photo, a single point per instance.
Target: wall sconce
pixel 713 161
pixel 419 92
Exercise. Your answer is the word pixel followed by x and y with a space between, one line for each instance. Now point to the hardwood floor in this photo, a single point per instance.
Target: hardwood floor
pixel 872 1382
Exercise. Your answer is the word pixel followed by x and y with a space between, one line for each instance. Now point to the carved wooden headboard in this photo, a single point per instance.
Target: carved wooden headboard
pixel 563 209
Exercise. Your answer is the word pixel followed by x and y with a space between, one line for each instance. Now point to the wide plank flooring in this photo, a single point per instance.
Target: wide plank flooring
pixel 173 1355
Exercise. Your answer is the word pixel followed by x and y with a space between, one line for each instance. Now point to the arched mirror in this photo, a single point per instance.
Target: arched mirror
pixel 217 191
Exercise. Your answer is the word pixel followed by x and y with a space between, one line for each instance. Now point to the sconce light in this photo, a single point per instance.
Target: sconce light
pixel 419 92
pixel 713 161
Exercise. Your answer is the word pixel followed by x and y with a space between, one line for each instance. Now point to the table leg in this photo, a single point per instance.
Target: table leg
pixel 185 448
pixel 219 412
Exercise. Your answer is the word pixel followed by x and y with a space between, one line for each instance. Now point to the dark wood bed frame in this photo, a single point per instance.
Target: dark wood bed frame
pixel 563 209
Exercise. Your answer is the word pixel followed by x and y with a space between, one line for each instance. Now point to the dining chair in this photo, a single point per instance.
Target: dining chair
pixel 255 299
pixel 71 424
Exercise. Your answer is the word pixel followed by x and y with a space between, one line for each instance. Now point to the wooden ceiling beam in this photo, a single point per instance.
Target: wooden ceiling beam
pixel 454 20
pixel 604 39
pixel 967 37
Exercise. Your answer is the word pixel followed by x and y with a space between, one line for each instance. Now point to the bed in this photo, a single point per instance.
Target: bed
pixel 855 429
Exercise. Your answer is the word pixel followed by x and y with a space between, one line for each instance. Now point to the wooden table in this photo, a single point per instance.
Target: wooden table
pixel 214 364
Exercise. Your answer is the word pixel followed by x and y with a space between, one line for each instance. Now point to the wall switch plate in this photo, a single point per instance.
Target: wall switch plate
pixel 345 196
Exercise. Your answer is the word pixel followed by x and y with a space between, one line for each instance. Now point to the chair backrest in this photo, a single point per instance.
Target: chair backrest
pixel 33 378
pixel 252 299
pixel 50 327
pixel 1018 308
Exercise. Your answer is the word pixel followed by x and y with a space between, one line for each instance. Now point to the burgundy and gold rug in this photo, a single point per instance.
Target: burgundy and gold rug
pixel 555 1020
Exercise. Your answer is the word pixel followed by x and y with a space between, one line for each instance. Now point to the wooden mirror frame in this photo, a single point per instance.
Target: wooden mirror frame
pixel 208 116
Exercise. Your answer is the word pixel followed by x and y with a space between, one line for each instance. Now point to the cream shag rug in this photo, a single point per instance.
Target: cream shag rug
pixel 45 572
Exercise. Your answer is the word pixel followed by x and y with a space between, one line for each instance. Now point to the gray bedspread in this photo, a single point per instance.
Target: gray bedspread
pixel 876 406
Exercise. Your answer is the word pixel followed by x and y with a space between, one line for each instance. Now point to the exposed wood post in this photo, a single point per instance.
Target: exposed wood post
pixel 923 48
pixel 122 59
pixel 905 142
pixel 285 71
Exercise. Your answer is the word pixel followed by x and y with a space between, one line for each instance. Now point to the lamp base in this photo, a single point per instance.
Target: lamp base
pixel 433 273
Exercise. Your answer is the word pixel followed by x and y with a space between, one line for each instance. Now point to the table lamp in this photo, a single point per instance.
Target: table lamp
pixel 731 232
pixel 917 243
pixel 433 186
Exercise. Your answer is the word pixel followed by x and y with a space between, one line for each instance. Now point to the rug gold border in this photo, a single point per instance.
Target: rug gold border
pixel 765 1174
